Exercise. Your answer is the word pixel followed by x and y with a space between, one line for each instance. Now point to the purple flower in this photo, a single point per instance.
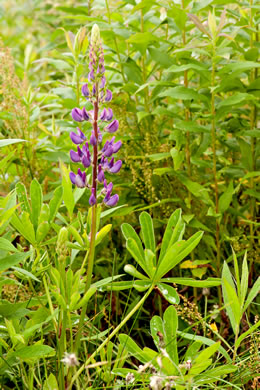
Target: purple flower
pixel 103 79
pixel 112 201
pixel 109 114
pixel 91 76
pixel 92 199
pixel 108 96
pixel 113 126
pixel 100 175
pixel 117 146
pixel 79 180
pixel 103 115
pixel 85 90
pixel 85 114
pixel 93 140
pixel 116 167
pixel 77 139
pixel 74 156
pixel 76 114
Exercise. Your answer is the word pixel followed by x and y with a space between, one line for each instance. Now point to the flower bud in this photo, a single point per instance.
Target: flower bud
pixel 95 35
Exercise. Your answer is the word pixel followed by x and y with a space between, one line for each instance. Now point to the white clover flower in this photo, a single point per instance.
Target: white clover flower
pixel 70 359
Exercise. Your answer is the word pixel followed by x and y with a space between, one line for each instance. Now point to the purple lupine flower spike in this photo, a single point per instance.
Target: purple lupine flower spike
pixel 113 126
pixel 92 199
pixel 76 114
pixel 100 158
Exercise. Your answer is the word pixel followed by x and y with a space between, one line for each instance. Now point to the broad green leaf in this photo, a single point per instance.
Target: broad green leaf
pixel 244 281
pixel 34 352
pixel 180 93
pixel 252 294
pixel 192 127
pixel 161 58
pixel 207 353
pixel 51 383
pixel 199 367
pixel 133 348
pixel 209 282
pixel 22 197
pixel 176 253
pixel 131 270
pixel 150 261
pixel 145 38
pixel 157 332
pixel 6 245
pixel 239 67
pixel 147 231
pixel 227 276
pixel 11 260
pixel 170 232
pixel 24 226
pixel 36 201
pixel 6 142
pixel 233 304
pixel 169 293
pixel 170 319
pixel 102 234
pixel 26 273
pixel 42 231
pixel 226 198
pixel 211 376
pixel 192 351
pixel 235 99
pixel 203 340
pixel 183 68
pixel 247 333
pixel 58 64
pixel 55 203
pixel 129 232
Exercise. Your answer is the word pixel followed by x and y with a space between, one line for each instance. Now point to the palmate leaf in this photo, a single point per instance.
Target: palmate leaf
pixel 172 233
pixel 176 253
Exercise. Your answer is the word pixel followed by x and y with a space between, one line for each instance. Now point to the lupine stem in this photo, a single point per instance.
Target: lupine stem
pixel 115 331
pixel 93 224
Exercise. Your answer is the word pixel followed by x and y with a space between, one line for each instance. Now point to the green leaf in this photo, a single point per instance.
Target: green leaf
pixel 133 348
pixel 24 226
pixel 235 99
pixel 182 93
pixel 210 282
pixel 183 68
pixel 131 270
pixel 226 198
pixel 58 64
pixel 170 319
pixel 147 231
pixel 207 353
pixel 6 142
pixel 172 232
pixel 230 297
pixel 239 67
pixel 42 231
pixel 204 340
pixel 145 38
pixel 232 302
pixel 102 234
pixel 36 201
pixel 252 329
pixel 161 57
pixel 51 383
pixel 176 253
pixel 55 203
pixel 26 273
pixel 244 281
pixel 253 293
pixel 169 293
pixel 134 249
pixel 35 352
pixel 6 245
pixel 22 197
pixel 129 232
pixel 11 260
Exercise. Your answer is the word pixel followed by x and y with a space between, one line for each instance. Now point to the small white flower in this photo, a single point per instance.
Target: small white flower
pixel 130 378
pixel 70 359
pixel 156 383
pixel 188 364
